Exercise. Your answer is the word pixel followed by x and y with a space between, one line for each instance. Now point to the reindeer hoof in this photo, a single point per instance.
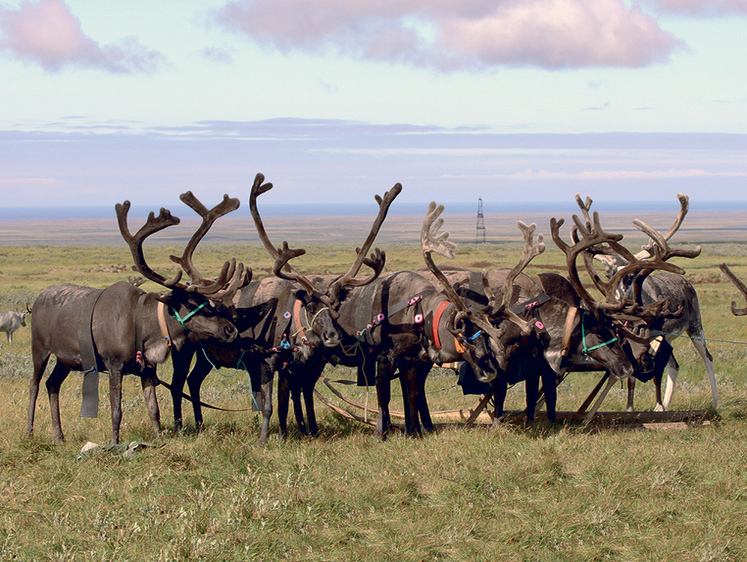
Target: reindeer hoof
pixel 659 408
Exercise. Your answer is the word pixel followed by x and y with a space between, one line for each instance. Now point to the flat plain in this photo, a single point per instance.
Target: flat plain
pixel 561 492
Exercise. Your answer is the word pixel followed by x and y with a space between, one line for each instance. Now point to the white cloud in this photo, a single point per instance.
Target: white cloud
pixel 19 182
pixel 452 35
pixel 47 33
pixel 698 7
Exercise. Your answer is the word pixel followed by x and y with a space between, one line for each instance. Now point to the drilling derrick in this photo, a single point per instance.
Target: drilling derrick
pixel 480 234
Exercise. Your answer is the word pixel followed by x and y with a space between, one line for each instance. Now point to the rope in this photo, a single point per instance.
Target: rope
pixel 239 364
pixel 310 327
pixel 702 338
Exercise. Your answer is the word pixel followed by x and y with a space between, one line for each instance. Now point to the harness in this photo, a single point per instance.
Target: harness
pixel 440 309
pixel 568 329
pixel 382 317
pixel 586 350
pixel 301 329
pixel 531 308
pixel 89 407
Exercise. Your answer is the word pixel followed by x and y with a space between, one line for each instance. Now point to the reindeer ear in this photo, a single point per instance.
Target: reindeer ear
pixel 301 294
pixel 166 299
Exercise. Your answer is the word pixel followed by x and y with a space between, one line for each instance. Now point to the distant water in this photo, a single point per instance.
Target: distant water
pixel 369 209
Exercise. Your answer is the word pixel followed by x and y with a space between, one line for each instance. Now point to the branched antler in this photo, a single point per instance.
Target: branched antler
pixel 739 285
pixel 431 241
pixel 531 250
pixel 285 270
pixel 377 260
pixel 135 242
pixel 233 275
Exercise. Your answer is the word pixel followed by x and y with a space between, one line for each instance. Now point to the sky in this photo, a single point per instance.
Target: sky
pixel 337 100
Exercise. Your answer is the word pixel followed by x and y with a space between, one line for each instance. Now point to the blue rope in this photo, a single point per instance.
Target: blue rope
pixel 702 339
pixel 239 363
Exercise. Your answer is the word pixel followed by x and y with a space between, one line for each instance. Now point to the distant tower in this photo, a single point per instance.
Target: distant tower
pixel 480 235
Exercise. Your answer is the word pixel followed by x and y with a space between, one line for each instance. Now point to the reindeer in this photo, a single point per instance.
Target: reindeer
pixel 283 322
pixel 559 326
pixel 647 289
pixel 404 322
pixel 10 322
pixel 124 330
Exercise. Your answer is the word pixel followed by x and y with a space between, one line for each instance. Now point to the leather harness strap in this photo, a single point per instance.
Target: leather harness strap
pixel 297 307
pixel 89 407
pixel 139 343
pixel 162 323
pixel 570 318
pixel 442 306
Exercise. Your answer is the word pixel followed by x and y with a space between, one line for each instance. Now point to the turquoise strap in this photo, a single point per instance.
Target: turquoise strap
pixel 188 316
pixel 583 338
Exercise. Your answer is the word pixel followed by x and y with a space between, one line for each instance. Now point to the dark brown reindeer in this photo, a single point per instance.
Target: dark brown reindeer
pixel 284 322
pixel 124 330
pixel 647 289
pixel 404 323
pixel 558 326
pixel 298 378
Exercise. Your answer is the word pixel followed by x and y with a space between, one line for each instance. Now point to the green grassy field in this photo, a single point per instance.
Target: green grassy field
pixel 544 493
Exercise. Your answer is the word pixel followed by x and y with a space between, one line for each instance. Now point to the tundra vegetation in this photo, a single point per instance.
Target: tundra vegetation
pixel 555 493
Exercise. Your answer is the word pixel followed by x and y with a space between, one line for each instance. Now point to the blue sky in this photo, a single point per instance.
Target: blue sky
pixel 335 100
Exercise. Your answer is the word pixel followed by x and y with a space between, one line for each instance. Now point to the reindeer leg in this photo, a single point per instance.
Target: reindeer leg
pixel 148 381
pixel 307 386
pixel 40 364
pixel 425 414
pixel 700 345
pixel 500 389
pixel 631 392
pixel 267 373
pixel 673 369
pixel 383 395
pixel 532 390
pixel 284 394
pixel 657 386
pixel 55 380
pixel 408 379
pixel 181 360
pixel 115 400
pixel 550 386
pixel 195 379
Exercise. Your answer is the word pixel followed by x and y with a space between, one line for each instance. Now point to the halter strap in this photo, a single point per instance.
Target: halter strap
pixel 583 339
pixel 188 316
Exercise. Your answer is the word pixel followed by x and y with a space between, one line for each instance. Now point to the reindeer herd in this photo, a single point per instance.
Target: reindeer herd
pixel 504 325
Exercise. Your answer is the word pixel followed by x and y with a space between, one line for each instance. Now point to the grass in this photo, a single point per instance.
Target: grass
pixel 544 493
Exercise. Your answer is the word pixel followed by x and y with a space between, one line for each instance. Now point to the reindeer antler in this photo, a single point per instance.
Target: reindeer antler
pixel 135 242
pixel 281 267
pixel 531 250
pixel 684 208
pixel 285 270
pixel 232 277
pixel 233 274
pixel 378 258
pixel 431 242
pixel 739 285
